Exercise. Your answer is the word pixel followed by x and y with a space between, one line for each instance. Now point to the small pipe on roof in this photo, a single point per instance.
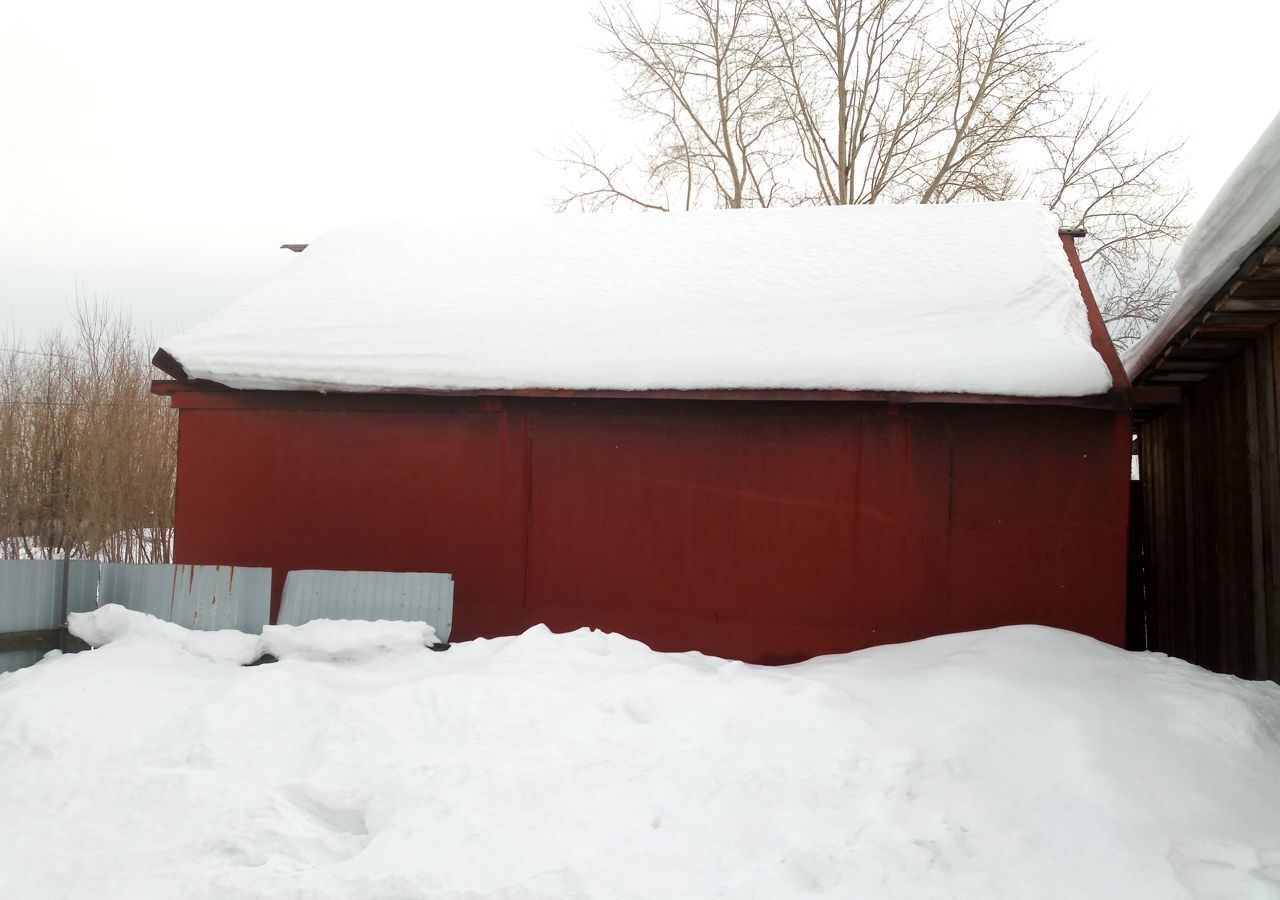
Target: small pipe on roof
pixel 296 248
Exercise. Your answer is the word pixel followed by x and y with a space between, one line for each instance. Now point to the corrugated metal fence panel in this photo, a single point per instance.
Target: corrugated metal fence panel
pixel 31 599
pixel 14 660
pixel 397 596
pixel 207 598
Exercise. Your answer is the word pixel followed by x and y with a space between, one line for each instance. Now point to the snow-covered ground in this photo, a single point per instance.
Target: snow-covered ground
pixel 1016 763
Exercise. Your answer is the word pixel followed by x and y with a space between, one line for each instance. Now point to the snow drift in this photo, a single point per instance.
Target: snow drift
pixel 1014 763
pixel 970 298
pixel 321 639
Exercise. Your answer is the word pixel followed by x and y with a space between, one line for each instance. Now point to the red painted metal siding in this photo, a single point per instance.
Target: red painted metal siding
pixel 759 530
pixel 361 490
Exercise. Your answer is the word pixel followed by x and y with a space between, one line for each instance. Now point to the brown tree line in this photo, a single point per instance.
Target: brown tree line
pixel 87 453
pixel 757 103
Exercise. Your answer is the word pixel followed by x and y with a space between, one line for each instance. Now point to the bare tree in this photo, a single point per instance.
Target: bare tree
pixel 1096 176
pixel 704 84
pixel 861 87
pixel 87 454
pixel 791 102
pixel 1004 87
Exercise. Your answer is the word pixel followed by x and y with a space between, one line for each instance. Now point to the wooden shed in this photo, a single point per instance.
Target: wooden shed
pixel 762 434
pixel 1209 435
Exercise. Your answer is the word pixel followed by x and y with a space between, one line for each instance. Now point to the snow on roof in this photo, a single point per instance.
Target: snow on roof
pixel 1245 211
pixel 973 298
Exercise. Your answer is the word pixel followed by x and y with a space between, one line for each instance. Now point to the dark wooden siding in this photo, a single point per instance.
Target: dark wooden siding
pixel 1211 489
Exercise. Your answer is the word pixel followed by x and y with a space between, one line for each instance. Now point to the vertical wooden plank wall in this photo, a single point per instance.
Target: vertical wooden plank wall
pixel 1211 490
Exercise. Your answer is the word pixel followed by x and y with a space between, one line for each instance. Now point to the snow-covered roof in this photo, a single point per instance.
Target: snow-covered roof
pixel 1244 212
pixel 973 299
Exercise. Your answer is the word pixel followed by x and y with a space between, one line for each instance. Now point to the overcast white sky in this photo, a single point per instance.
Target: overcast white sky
pixel 157 153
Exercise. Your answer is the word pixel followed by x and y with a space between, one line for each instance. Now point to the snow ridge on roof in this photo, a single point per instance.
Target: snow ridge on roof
pixel 1244 212
pixel 975 298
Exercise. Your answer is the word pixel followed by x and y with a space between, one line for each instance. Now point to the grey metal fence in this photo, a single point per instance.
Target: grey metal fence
pixel 398 596
pixel 205 598
pixel 31 599
pixel 208 598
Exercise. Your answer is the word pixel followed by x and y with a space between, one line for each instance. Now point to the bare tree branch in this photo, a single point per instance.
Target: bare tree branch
pixel 87 455
pixel 764 102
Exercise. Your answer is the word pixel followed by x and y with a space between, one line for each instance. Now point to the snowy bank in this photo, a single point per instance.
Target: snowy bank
pixel 970 298
pixel 1014 763
pixel 320 639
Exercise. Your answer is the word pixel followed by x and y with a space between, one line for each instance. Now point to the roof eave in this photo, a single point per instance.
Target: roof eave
pixel 166 363
pixel 1243 307
pixel 187 393
pixel 1099 337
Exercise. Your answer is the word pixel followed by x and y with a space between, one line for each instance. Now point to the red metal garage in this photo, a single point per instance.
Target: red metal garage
pixel 767 522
